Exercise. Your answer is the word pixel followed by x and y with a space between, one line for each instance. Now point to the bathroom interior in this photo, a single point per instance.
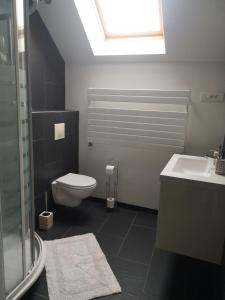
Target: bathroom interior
pixel 112 149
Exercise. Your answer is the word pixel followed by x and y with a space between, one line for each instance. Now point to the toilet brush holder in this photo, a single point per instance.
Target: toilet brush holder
pixel 46 217
pixel 46 220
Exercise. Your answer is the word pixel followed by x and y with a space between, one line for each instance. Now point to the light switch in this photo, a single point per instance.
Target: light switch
pixel 59 131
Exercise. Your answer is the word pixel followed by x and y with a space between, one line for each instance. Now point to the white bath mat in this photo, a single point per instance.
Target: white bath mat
pixel 76 269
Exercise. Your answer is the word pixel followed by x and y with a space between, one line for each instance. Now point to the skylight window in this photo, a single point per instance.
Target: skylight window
pixel 122 27
pixel 126 18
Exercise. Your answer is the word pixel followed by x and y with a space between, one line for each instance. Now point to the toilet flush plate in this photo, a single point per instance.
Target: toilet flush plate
pixel 59 131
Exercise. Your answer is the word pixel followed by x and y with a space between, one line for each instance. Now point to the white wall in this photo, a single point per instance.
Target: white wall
pixel 194 31
pixel 139 168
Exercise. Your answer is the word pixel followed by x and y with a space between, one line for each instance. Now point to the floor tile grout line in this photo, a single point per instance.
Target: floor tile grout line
pixel 40 295
pixel 103 224
pixel 149 268
pixel 110 235
pixel 144 226
pixel 135 261
pixel 133 295
pixel 128 231
pixel 66 231
pixel 130 261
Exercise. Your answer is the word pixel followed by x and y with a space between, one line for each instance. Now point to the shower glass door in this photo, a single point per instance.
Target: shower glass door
pixel 16 239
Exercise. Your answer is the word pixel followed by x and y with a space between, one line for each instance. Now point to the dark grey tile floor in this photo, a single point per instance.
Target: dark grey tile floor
pixel 127 237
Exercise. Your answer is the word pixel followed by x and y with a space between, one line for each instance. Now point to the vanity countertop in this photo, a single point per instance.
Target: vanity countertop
pixel 194 168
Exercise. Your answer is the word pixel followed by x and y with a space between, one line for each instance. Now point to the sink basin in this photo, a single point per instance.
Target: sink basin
pixel 193 166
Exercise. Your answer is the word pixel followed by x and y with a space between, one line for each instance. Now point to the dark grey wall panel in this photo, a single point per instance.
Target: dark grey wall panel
pixel 47 68
pixel 53 159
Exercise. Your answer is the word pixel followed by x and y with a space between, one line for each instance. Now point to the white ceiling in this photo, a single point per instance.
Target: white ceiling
pixel 194 31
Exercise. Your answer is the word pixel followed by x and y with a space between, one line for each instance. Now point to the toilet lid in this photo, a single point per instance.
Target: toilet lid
pixel 76 181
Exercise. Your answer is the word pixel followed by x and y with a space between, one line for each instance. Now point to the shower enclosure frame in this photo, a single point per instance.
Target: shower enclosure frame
pixel 19 105
pixel 37 250
pixel 26 29
pixel 2 271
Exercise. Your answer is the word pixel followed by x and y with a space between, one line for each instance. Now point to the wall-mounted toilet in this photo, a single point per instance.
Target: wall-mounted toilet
pixel 71 189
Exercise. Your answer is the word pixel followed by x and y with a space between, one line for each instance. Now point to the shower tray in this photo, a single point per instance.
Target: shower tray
pixel 34 272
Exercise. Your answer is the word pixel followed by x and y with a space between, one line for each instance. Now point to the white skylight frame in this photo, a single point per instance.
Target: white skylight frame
pixel 102 45
pixel 119 19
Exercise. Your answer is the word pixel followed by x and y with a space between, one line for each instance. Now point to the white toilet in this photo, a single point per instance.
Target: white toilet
pixel 71 189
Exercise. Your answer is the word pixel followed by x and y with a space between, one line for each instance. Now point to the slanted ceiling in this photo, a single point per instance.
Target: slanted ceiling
pixel 194 31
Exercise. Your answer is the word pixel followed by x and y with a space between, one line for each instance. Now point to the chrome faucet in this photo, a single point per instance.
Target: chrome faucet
pixel 214 154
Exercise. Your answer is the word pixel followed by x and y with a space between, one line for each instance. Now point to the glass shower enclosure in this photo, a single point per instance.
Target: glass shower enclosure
pixel 20 248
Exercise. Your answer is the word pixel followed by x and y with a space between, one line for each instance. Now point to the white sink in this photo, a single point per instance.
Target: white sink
pixel 194 168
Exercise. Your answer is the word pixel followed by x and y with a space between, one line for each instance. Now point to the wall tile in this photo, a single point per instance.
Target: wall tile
pixel 70 154
pixel 39 203
pixel 53 159
pixel 71 122
pixel 38 126
pixel 54 150
pixel 37 85
pixel 39 152
pixel 47 68
pixel 55 96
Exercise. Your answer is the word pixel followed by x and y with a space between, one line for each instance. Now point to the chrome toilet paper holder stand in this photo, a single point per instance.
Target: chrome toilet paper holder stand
pixel 112 168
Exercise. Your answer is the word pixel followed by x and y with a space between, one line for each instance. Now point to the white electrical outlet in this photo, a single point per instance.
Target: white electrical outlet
pixel 212 97
pixel 59 131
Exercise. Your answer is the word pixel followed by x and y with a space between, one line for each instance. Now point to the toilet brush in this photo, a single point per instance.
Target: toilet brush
pixel 46 217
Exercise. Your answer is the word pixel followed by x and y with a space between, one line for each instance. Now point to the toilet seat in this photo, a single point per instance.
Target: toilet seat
pixel 77 181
